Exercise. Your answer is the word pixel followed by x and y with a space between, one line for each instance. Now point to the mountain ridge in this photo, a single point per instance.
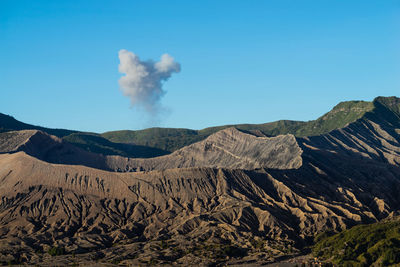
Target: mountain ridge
pixel 298 128
pixel 280 208
pixel 235 197
pixel 167 140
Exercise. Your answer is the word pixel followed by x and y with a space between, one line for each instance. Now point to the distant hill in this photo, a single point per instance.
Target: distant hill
pixel 9 123
pixel 97 144
pixel 236 197
pixel 172 139
pixel 91 142
pixel 153 142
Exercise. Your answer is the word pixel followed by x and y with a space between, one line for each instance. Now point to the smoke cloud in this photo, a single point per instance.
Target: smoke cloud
pixel 143 80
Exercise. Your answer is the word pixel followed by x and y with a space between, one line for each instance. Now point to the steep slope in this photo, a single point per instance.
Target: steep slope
pixel 8 123
pixel 235 197
pixel 229 148
pixel 174 139
pixel 90 142
pixel 90 212
pixel 12 141
pixel 374 136
pixel 49 148
pixel 392 103
pixel 170 139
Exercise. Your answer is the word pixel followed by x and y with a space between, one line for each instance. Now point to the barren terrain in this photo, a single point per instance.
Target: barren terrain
pixel 235 197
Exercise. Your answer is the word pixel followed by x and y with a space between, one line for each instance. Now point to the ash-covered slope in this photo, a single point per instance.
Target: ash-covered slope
pixel 49 148
pixel 90 142
pixel 94 213
pixel 229 148
pixel 375 135
pixel 234 194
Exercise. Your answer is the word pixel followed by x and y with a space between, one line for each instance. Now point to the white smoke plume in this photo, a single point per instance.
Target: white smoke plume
pixel 143 80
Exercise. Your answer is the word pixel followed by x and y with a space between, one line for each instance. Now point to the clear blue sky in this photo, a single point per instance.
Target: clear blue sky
pixel 242 61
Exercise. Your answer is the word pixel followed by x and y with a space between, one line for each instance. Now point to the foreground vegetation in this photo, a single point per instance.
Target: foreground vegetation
pixel 363 245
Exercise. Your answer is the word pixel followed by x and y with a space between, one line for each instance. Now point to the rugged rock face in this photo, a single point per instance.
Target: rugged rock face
pixel 49 148
pixel 234 197
pixel 95 213
pixel 229 148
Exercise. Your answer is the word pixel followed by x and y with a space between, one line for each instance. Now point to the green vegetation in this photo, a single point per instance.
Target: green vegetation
pixel 116 261
pixel 167 139
pixel 362 245
pixel 217 251
pixel 341 115
pixel 392 103
pixel 8 123
pixel 386 111
pixel 257 244
pixel 172 139
pixel 56 251
pixel 97 144
pixel 158 141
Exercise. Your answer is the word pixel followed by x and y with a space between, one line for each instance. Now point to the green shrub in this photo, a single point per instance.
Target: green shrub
pixel 56 251
pixel 362 245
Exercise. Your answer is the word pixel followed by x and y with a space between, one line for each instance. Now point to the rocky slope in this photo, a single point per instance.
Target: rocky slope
pixel 90 212
pixel 234 197
pixel 49 148
pixel 157 141
pixel 9 123
pixel 229 148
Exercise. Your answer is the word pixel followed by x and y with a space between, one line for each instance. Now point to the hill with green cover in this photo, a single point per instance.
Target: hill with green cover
pixel 172 139
pixel 9 123
pixel 97 144
pixel 232 199
pixel 363 245
pixel 159 141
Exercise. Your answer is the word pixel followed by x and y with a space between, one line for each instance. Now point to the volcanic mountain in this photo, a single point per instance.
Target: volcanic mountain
pixel 239 194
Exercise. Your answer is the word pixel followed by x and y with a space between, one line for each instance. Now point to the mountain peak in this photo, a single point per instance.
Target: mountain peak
pixel 236 189
pixel 392 103
pixel 343 114
pixel 159 141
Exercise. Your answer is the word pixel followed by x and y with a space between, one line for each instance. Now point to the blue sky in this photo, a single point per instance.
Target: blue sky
pixel 241 61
